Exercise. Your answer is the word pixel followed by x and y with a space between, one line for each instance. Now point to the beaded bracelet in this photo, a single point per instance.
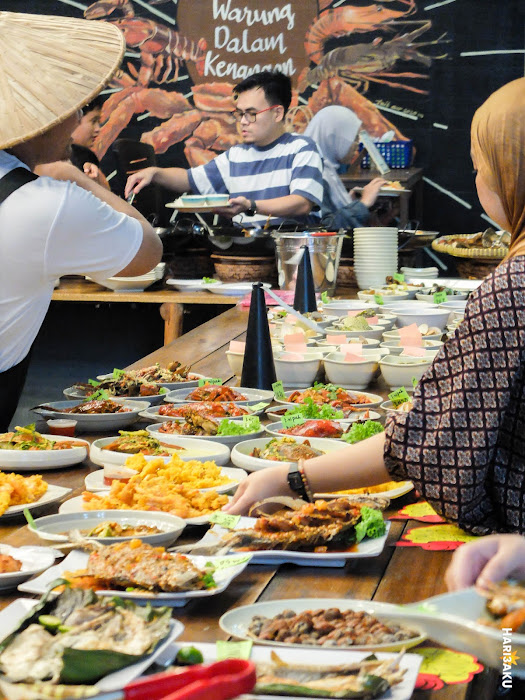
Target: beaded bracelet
pixel 308 490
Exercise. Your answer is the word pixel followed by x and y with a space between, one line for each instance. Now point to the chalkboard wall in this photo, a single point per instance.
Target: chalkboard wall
pixel 442 59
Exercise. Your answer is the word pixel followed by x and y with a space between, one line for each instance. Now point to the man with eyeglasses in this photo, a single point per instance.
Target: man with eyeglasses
pixel 273 173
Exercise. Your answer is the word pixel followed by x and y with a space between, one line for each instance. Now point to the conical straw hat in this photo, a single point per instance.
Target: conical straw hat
pixel 49 68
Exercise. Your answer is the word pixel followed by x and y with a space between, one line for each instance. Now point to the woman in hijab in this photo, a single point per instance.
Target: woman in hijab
pixel 335 130
pixel 463 442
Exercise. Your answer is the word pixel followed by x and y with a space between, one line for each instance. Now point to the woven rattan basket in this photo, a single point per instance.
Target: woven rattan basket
pixel 489 255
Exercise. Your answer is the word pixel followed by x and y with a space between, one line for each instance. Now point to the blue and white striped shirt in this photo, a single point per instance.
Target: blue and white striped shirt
pixel 289 165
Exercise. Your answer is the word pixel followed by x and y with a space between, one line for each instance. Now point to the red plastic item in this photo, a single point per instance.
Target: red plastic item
pixel 218 681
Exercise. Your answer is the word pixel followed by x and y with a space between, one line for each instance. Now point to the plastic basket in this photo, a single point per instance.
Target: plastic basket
pixel 398 154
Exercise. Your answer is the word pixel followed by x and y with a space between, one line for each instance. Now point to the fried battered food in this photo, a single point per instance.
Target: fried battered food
pixel 506 602
pixel 208 409
pixel 140 565
pixel 16 489
pixel 196 424
pixel 166 487
pixel 9 564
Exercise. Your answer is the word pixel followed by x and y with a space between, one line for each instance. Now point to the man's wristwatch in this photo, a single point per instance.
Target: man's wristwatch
pixel 296 483
pixel 252 211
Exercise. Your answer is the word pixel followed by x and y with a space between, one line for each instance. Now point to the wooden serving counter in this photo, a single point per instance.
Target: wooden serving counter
pixel 398 575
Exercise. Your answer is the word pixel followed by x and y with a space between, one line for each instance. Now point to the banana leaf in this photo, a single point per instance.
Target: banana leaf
pixel 372 687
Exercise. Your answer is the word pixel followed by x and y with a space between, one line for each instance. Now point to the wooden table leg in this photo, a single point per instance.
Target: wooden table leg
pixel 172 315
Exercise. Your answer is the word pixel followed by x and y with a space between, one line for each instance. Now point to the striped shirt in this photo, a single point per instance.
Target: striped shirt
pixel 289 165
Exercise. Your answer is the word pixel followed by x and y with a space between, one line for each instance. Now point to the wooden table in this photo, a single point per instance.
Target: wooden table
pixel 398 575
pixel 172 301
pixel 410 178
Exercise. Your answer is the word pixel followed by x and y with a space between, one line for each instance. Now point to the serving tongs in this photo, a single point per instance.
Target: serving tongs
pixel 217 681
pixel 311 324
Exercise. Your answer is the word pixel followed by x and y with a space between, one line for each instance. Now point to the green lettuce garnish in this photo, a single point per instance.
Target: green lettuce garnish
pixel 362 431
pixel 312 410
pixel 230 427
pixel 371 524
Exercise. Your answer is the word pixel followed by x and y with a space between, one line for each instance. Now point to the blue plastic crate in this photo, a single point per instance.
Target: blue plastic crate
pixel 397 154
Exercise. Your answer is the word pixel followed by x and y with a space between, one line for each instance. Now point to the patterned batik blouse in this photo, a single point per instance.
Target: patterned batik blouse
pixel 463 442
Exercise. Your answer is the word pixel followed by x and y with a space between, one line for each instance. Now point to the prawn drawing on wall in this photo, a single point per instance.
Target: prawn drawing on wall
pixel 203 121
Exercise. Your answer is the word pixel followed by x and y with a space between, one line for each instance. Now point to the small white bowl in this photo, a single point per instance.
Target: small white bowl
pixel 425 296
pixel 352 375
pixel 432 317
pixel 236 361
pixel 431 346
pixel 217 200
pixel 341 307
pixel 369 343
pixel 388 297
pixel 388 407
pixel 398 371
pixel 376 332
pixel 297 373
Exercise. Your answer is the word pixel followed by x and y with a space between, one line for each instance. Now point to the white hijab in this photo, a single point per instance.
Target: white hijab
pixel 334 130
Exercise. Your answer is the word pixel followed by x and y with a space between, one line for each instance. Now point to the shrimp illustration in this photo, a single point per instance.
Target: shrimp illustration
pixel 361 64
pixel 342 21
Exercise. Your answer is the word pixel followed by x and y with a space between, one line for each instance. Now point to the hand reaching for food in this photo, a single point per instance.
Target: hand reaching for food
pixel 370 192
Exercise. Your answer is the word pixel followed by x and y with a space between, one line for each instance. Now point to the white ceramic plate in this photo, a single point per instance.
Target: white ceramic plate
pixel 404 487
pixel 252 396
pixel 53 494
pixel 79 394
pixel 95 421
pixel 33 560
pixel 366 548
pixel 235 289
pixel 12 615
pixel 236 622
pixel 193 448
pixel 241 453
pixel 192 381
pixel 76 505
pixel 229 440
pixel 37 460
pixel 78 560
pixel 152 413
pixel 196 285
pixel 192 207
pixel 451 282
pixel 51 527
pixel 409 663
pixel 453 620
pixel 95 481
pixel 273 429
pixel 375 399
pixel 352 418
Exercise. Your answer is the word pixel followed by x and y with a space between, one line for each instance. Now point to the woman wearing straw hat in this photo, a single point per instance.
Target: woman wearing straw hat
pixel 463 441
pixel 61 222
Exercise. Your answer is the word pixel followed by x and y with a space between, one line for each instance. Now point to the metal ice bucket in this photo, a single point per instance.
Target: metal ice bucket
pixel 325 251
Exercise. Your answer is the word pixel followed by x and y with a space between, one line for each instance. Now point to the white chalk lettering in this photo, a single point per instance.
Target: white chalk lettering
pixel 250 17
pixel 221 69
pixel 243 45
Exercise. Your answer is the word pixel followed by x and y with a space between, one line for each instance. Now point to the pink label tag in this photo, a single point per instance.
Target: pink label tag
pixel 293 339
pixel 335 339
pixel 297 348
pixel 352 348
pixel 237 346
pixel 414 351
pixel 410 336
pixel 353 312
pixel 372 321
pixel 350 357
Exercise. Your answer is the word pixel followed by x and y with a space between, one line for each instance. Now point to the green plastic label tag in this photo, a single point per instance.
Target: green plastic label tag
pixel 258 407
pixel 440 297
pixel 278 390
pixel 325 298
pixel 233 650
pixel 224 519
pixel 399 396
pixel 228 562
pixel 209 380
pixel 292 421
pixel 414 381
pixel 251 422
pixel 378 298
pixel 399 277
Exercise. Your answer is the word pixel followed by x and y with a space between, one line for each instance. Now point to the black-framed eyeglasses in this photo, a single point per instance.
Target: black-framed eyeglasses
pixel 250 114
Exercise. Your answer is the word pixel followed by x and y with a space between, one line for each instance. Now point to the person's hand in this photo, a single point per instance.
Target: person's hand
pixel 370 191
pixel 138 181
pixel 236 205
pixel 260 485
pixel 487 560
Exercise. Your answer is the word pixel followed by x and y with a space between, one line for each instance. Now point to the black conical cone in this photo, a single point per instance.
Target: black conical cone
pixel 258 369
pixel 304 299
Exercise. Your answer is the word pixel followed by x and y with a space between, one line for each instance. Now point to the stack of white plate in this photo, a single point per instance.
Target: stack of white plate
pixel 425 272
pixel 133 284
pixel 375 255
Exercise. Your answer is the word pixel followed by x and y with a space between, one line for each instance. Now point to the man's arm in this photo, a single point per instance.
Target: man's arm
pixel 172 178
pixel 289 206
pixel 150 251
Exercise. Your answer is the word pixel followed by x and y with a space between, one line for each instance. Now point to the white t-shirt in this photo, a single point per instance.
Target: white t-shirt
pixel 50 228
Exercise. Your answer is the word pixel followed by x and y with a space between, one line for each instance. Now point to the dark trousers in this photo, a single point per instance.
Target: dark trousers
pixel 11 384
